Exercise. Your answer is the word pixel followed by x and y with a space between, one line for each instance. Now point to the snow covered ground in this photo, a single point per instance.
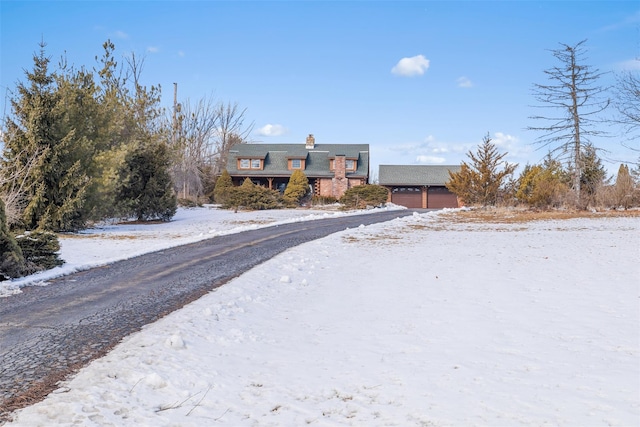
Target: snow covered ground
pixel 107 243
pixel 420 321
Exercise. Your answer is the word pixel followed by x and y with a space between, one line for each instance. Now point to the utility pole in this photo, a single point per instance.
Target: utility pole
pixel 174 123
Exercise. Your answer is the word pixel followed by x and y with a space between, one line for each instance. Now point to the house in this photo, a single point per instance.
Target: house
pixel 418 186
pixel 330 168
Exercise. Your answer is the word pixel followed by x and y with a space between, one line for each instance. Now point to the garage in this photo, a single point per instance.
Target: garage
pixel 410 197
pixel 419 186
pixel 441 197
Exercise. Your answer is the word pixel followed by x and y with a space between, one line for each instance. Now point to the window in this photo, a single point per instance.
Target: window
pixel 250 164
pixel 296 164
pixel 350 165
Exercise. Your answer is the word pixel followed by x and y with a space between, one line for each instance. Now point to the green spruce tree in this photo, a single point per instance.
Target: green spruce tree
pixel 146 190
pixel 37 128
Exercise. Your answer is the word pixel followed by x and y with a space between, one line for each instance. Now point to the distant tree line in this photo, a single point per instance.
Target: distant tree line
pixel 572 175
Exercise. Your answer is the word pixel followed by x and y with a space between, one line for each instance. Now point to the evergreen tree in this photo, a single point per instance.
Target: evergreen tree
pixel 12 262
pixel 297 187
pixel 482 182
pixel 624 189
pixel 40 249
pixel 57 183
pixel 146 190
pixel 593 176
pixel 221 190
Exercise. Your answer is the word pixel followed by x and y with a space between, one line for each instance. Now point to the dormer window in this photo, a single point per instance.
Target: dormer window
pixel 296 163
pixel 250 164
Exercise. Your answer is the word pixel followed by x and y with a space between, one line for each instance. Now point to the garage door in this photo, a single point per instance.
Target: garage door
pixel 441 197
pixel 410 197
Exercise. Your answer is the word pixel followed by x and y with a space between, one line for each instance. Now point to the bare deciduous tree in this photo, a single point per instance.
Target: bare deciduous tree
pixel 573 92
pixel 15 184
pixel 194 137
pixel 231 131
pixel 627 103
pixel 203 134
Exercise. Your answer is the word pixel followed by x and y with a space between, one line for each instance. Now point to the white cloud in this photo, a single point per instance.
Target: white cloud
pixel 464 82
pixel 503 140
pixel 432 151
pixel 121 35
pixel 422 159
pixel 153 49
pixel 409 67
pixel 272 130
pixel 517 151
pixel 630 65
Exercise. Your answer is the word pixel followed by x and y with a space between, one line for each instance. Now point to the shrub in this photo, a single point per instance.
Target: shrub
pixel 297 187
pixel 40 250
pixel 362 196
pixel 252 197
pixel 542 186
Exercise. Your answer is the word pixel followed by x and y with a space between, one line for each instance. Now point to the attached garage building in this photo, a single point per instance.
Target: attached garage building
pixel 418 186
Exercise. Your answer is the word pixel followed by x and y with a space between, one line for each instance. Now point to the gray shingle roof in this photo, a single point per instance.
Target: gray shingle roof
pixel 316 160
pixel 415 174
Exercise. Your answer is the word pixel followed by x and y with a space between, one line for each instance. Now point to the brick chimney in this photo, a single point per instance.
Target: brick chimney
pixel 339 183
pixel 311 142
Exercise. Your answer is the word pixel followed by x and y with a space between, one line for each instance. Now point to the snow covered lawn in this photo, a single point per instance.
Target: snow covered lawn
pixel 420 321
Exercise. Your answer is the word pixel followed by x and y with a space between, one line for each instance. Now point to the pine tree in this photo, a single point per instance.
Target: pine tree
pixel 297 187
pixel 482 182
pixel 146 190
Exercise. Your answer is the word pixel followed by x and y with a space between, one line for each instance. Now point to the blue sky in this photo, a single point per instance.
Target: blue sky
pixel 422 82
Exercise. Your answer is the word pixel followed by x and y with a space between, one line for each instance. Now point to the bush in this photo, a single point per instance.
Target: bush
pixel 40 250
pixel 542 186
pixel 252 197
pixel 361 196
